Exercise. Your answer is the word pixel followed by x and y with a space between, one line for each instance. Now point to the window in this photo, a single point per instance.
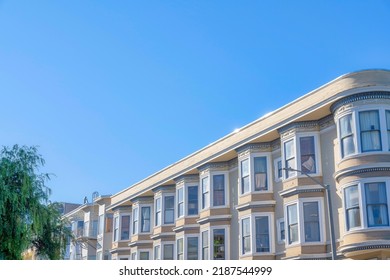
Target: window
pixel 376 203
pixel 180 203
pixel 370 133
pixel 292 221
pixel 218 190
pixel 192 200
pixel 352 208
pixel 308 157
pixel 101 224
pixel 86 228
pixel 168 251
pixel 156 253
pixel 144 255
pixel 388 128
pixel 134 256
pixel 205 245
pixel 246 236
pixel 278 169
pixel 260 171
pixel 346 136
pixel 281 231
pixel 262 234
pixel 116 229
pixel 180 249
pixel 311 221
pixel 205 193
pixel 219 244
pixel 245 176
pixel 192 248
pixel 158 212
pixel 169 203
pixel 135 221
pixel 289 157
pixel 145 219
pixel 125 227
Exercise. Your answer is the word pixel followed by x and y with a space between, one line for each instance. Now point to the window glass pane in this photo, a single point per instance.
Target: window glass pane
pixel 219 244
pixel 260 168
pixel 192 248
pixel 169 202
pixel 352 207
pixel 145 219
pixel 180 249
pixel 156 254
pixel 116 228
pixel 125 227
pixel 135 221
pixel 376 198
pixel 279 168
pixel 292 216
pixel 205 245
pixel 144 255
pixel 346 136
pixel 388 128
pixel 218 190
pixel 312 221
pixel 158 212
pixel 205 193
pixel 193 200
pixel 246 236
pixel 282 232
pixel 168 252
pixel 370 131
pixel 262 234
pixel 308 157
pixel 180 203
pixel 289 156
pixel 244 176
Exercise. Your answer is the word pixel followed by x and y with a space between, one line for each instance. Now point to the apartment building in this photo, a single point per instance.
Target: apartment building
pixel 258 193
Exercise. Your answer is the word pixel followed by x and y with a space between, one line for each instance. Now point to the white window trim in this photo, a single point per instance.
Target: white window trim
pixel 135 230
pixel 201 243
pixel 362 203
pixel 154 251
pixel 301 224
pixel 115 237
pixel 176 247
pixel 155 210
pixel 208 202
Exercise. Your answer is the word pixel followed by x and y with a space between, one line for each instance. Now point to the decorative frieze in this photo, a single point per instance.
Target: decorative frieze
pixel 358 97
pixel 296 127
pixel 247 149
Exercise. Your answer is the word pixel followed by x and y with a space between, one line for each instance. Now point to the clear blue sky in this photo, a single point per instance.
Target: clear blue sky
pixel 113 91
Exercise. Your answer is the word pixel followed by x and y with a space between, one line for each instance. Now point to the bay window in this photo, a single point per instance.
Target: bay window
pixel 366 204
pixel 135 221
pixel 246 236
pixel 262 234
pixel 292 223
pixel 307 153
pixel 311 219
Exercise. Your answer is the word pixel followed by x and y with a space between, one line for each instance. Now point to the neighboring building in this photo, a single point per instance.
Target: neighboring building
pixel 87 223
pixel 234 199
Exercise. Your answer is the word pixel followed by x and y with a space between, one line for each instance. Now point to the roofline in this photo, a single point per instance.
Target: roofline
pixel 266 116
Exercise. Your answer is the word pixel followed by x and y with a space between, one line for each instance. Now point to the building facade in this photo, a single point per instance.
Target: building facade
pixel 258 193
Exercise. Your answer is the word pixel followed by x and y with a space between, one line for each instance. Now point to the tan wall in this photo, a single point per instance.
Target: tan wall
pixel 361 236
pixel 255 197
pixel 214 212
pixel 300 181
pixel 140 237
pixel 186 221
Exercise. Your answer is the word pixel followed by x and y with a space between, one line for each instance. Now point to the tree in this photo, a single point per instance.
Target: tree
pixel 27 218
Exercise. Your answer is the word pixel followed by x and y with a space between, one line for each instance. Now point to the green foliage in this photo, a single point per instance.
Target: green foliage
pixel 25 214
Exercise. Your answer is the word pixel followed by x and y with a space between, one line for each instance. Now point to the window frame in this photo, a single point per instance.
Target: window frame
pixel 158 211
pixel 187 199
pixel 163 244
pixel 165 209
pixel 180 203
pixel 225 189
pixel 205 192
